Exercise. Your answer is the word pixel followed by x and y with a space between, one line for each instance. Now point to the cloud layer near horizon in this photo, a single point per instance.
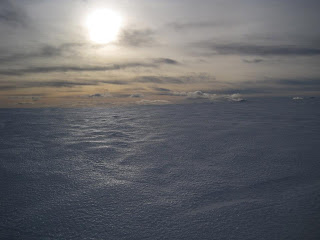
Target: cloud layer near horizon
pixel 167 50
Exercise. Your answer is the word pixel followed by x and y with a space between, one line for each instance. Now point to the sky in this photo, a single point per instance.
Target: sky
pixel 168 51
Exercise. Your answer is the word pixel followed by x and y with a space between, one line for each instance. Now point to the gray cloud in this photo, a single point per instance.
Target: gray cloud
pixel 30 97
pixel 243 89
pixel 199 78
pixel 166 61
pixel 271 86
pixel 137 37
pixel 137 95
pixel 131 89
pixel 100 95
pixel 192 78
pixel 12 14
pixel 115 82
pixel 158 79
pixel 258 50
pixel 149 79
pixel 256 60
pixel 46 51
pixel 153 64
pixel 161 89
pixel 199 95
pixel 180 26
pixel 7 87
pixel 297 82
pixel 55 84
pixel 25 103
pixel 307 84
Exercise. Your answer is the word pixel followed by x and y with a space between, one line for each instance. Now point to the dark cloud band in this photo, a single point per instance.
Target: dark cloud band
pixel 149 64
pixel 258 50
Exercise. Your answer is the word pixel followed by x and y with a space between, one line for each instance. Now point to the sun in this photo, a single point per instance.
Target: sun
pixel 103 25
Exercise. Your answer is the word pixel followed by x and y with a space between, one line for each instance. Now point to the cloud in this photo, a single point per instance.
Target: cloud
pixel 46 51
pixel 114 82
pixel 236 97
pixel 191 78
pixel 59 84
pixel 32 98
pixel 25 103
pixel 68 49
pixel 256 60
pixel 152 102
pixel 162 89
pixel 200 95
pixel 49 51
pixel 12 14
pixel 287 85
pixel 297 98
pixel 11 85
pixel 180 26
pixel 7 87
pixel 137 37
pixel 258 50
pixel 315 82
pixel 199 78
pixel 177 93
pixel 272 86
pixel 158 79
pixel 67 68
pixel 133 89
pixel 55 84
pixel 137 95
pixel 100 95
pixel 166 61
pixel 149 79
pixel 245 89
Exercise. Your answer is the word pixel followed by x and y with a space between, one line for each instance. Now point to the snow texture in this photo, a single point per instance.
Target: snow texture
pixel 226 170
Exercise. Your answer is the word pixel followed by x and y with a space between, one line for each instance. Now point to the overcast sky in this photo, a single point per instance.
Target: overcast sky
pixel 165 51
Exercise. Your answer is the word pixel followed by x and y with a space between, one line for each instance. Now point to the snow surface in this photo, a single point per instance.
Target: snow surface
pixel 224 170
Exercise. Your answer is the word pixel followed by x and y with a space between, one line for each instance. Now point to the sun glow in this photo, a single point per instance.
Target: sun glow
pixel 103 25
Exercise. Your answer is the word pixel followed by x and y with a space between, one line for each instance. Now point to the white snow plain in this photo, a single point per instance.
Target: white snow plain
pixel 224 170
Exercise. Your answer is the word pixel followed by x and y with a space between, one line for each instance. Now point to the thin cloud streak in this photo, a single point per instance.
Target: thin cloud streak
pixel 257 50
pixel 46 51
pixel 54 84
pixel 137 37
pixel 181 26
pixel 191 79
pixel 253 61
pixel 151 64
